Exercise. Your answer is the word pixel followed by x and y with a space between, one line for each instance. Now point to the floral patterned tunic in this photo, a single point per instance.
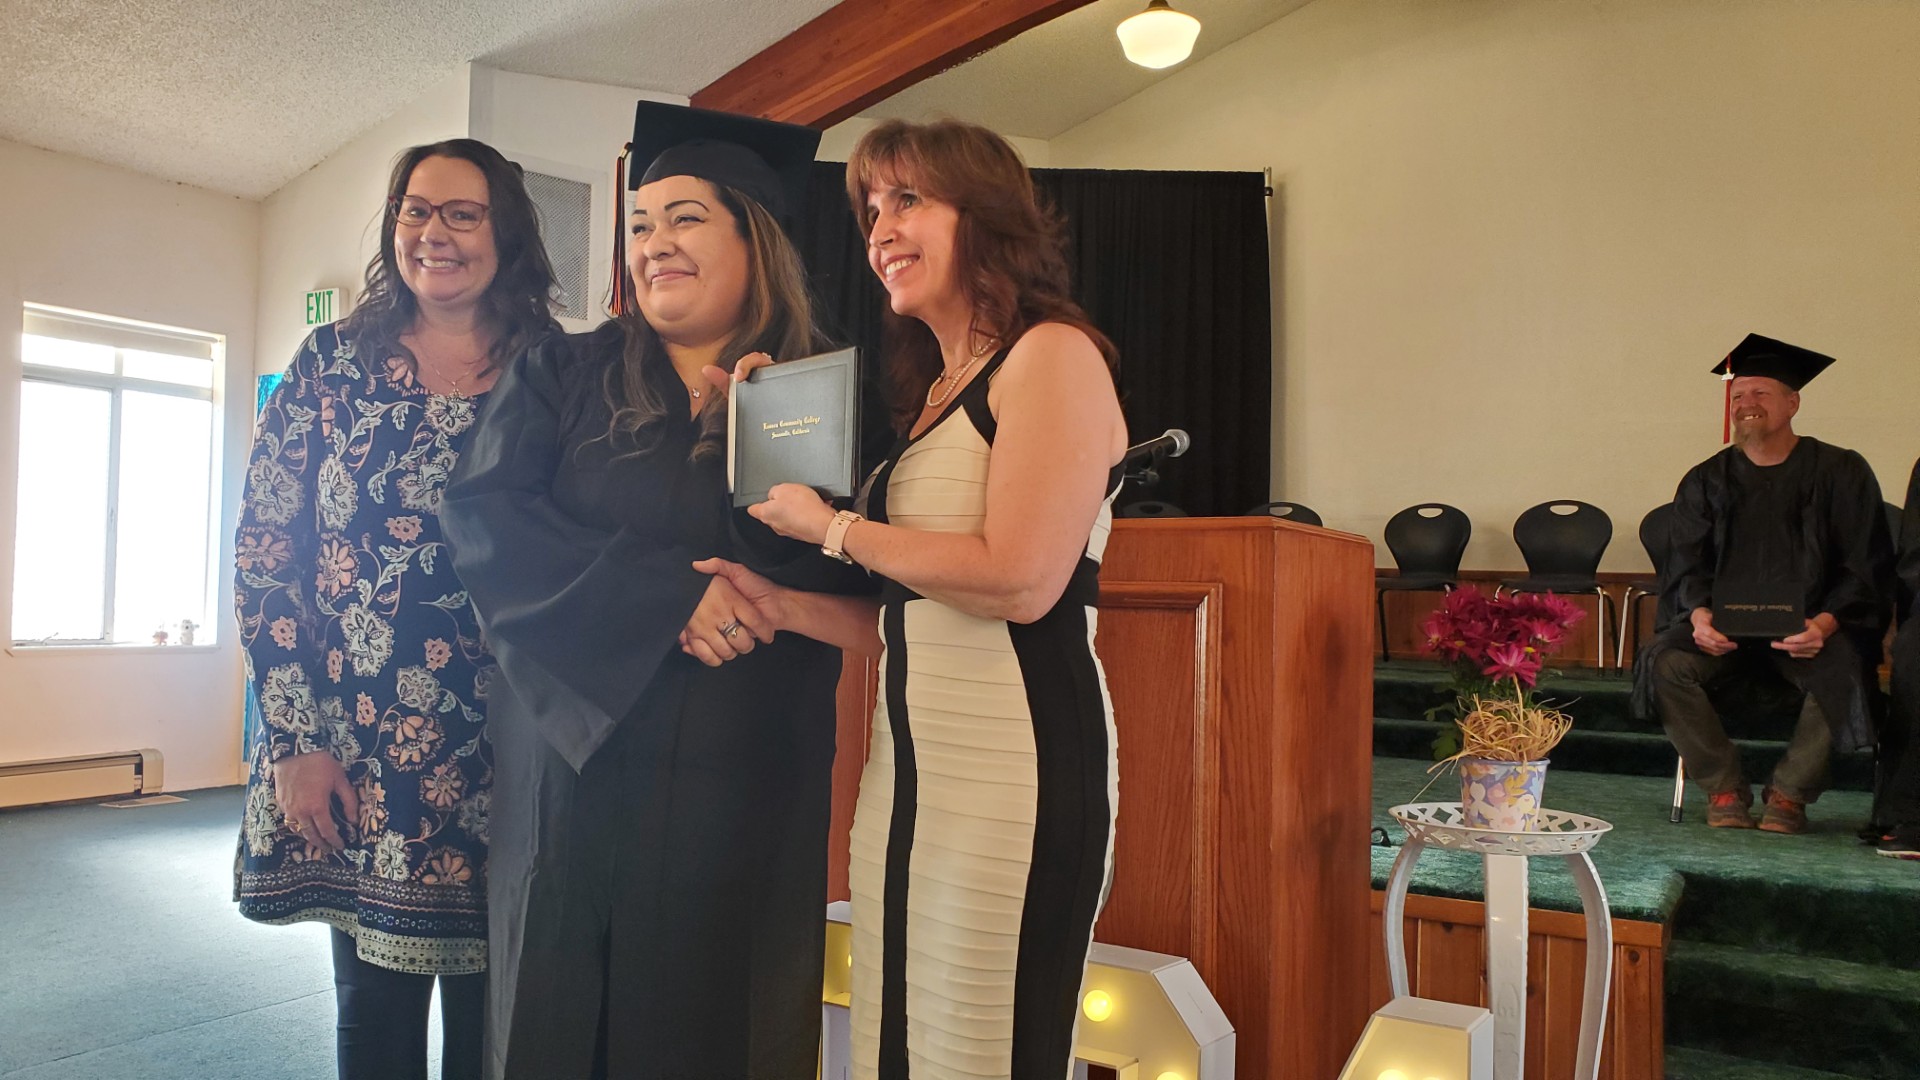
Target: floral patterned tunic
pixel 361 642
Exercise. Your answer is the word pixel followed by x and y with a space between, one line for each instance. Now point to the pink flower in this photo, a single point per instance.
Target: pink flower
pixel 1543 630
pixel 1463 627
pixel 1510 661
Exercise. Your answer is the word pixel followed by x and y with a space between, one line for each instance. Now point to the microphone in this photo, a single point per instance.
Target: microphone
pixel 1171 443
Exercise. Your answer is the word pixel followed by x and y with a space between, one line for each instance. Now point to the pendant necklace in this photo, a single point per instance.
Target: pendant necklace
pixel 434 365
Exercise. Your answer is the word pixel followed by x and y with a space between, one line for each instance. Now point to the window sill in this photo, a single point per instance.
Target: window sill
pixel 34 648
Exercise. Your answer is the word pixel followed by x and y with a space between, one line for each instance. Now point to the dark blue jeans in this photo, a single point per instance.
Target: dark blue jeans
pixel 382 1031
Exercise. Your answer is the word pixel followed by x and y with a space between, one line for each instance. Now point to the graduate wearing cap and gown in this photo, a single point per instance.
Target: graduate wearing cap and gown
pixel 658 866
pixel 1783 511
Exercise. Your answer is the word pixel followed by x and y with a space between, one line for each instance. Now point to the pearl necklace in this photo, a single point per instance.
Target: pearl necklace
pixel 949 381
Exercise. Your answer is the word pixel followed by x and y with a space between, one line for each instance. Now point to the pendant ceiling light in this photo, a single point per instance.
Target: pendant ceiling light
pixel 1158 37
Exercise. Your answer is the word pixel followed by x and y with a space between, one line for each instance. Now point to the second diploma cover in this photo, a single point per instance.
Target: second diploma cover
pixel 795 423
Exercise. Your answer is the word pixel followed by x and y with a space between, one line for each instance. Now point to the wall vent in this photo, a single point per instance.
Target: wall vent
pixel 566 226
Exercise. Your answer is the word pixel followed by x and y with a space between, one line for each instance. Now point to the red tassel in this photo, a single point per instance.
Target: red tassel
pixel 1726 412
pixel 618 282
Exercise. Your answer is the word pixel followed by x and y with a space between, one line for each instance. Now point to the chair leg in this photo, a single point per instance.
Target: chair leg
pixel 1600 630
pixel 1679 790
pixel 1620 639
pixel 1380 606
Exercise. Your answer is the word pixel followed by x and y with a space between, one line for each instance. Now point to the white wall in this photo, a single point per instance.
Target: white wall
pixel 1512 236
pixel 318 231
pixel 83 235
pixel 568 129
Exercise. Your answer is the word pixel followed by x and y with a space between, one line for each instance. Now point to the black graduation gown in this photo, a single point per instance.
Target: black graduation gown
pixel 657 876
pixel 1896 790
pixel 1845 557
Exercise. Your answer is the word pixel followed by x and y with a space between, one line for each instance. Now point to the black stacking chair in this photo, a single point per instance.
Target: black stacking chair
pixel 1563 552
pixel 1151 508
pixel 1426 541
pixel 1655 530
pixel 1286 511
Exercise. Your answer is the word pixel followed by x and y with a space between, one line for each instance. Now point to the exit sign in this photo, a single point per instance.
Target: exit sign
pixel 323 306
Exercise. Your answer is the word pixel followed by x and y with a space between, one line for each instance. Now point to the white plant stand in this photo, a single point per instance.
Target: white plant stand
pixel 1504 858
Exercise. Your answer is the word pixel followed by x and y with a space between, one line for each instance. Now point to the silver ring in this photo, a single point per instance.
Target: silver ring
pixel 730 629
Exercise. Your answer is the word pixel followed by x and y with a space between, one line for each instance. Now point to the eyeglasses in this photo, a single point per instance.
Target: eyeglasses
pixel 460 215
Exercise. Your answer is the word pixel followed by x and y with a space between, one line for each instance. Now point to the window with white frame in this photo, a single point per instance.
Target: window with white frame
pixel 114 538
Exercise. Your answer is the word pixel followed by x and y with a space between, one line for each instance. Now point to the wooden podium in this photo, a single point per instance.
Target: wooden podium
pixel 1239 654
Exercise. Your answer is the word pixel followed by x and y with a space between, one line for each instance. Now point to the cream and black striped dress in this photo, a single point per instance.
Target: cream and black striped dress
pixel 983 838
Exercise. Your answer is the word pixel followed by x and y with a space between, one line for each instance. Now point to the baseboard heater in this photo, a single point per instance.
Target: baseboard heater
pixel 97 776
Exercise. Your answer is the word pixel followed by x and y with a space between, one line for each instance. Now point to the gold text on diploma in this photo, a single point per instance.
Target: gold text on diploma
pixel 782 429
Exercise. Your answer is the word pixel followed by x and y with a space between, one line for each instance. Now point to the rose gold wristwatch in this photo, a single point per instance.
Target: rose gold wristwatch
pixel 834 546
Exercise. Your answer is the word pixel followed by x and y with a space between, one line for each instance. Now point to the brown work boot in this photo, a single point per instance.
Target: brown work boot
pixel 1783 815
pixel 1730 809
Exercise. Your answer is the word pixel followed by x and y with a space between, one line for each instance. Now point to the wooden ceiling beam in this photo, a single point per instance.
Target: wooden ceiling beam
pixel 862 51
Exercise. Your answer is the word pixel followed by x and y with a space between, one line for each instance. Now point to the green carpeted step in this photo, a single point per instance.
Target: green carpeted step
pixel 1850 915
pixel 1407 689
pixel 1811 1012
pixel 1622 753
pixel 1765 708
pixel 1687 1063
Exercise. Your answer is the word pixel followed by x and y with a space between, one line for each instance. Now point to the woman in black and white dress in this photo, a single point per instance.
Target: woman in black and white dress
pixel 982 842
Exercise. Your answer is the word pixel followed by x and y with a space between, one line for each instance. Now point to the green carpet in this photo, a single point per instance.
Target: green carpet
pixel 1686 1063
pixel 1795 957
pixel 123 956
pixel 1813 1012
pixel 1644 861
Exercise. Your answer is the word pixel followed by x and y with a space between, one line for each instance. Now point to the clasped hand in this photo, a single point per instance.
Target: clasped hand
pixel 1804 645
pixel 726 625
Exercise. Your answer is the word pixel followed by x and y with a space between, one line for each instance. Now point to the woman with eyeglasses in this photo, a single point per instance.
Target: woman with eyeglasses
pixel 368 790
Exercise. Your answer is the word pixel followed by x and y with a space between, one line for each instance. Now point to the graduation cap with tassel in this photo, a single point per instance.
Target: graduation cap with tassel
pixel 765 160
pixel 1768 358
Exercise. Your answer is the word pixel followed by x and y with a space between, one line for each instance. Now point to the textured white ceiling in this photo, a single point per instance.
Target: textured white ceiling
pixel 241 96
pixel 1064 72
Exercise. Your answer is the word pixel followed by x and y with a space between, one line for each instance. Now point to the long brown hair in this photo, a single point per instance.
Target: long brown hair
pixel 518 303
pixel 643 391
pixel 1009 246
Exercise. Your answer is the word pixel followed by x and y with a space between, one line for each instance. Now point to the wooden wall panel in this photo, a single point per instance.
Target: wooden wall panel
pixel 1287 765
pixel 1162 844
pixel 1452 962
pixel 1446 960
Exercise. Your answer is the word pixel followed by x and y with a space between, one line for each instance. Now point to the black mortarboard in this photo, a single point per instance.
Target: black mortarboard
pixel 1763 356
pixel 764 159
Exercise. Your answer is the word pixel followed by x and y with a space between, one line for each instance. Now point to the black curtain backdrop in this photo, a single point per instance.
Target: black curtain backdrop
pixel 1172 265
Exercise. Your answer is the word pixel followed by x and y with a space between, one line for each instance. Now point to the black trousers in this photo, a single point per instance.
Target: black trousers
pixel 382 1030
pixel 1899 802
pixel 1680 677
